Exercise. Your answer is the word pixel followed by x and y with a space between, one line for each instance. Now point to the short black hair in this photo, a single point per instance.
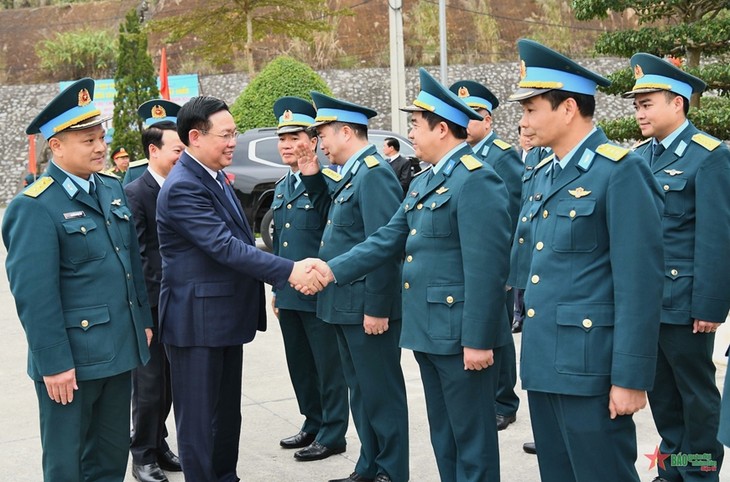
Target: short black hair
pixel 671 95
pixel 392 142
pixel 433 120
pixel 195 114
pixel 360 130
pixel 586 103
pixel 153 135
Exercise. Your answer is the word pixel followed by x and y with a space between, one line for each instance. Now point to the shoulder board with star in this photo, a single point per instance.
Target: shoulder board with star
pixel 502 144
pixel 281 179
pixel 545 161
pixel 371 161
pixel 141 162
pixel 640 143
pixel 335 176
pixel 615 153
pixel 37 188
pixel 709 143
pixel 470 162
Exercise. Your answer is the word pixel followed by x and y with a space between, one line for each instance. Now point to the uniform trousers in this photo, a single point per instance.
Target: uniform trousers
pixel 371 364
pixel 463 434
pixel 87 439
pixel 577 441
pixel 506 401
pixel 685 402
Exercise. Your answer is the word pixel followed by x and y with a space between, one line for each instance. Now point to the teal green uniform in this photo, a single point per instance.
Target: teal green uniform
pixel 452 226
pixel 694 172
pixel 311 349
pixel 136 169
pixel 91 316
pixel 362 201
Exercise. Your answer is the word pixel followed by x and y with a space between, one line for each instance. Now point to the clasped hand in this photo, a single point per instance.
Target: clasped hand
pixel 310 276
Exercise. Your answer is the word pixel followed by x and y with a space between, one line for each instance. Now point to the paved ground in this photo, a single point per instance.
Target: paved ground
pixel 269 413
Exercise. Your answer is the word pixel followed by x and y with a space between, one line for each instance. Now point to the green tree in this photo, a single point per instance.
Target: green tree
pixel 226 27
pixel 282 76
pixel 77 53
pixel 135 82
pixel 685 30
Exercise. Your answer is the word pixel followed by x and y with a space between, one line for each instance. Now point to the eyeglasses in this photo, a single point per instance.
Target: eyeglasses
pixel 227 136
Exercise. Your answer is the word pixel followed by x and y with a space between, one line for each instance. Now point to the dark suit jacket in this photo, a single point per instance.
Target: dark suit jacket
pixel 402 168
pixel 211 292
pixel 142 200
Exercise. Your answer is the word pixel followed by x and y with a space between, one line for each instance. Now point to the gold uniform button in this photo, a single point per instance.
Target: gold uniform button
pixel 531 313
pixel 572 213
pixel 409 258
pixel 449 299
pixel 539 245
pixel 83 229
pixel 587 323
pixel 666 187
pixel 413 232
pixel 126 218
pixel 84 323
pixel 406 285
pixel 545 214
pixel 285 244
pixel 674 272
pixel 419 206
pixel 406 207
pixel 521 240
pixel 287 225
pixel 288 206
pixel 535 279
pixel 524 219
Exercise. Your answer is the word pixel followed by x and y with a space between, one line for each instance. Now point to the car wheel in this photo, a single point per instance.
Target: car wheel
pixel 267 229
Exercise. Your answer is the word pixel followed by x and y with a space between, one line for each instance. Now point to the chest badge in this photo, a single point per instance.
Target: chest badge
pixel 117 202
pixel 441 190
pixel 578 192
pixel 673 172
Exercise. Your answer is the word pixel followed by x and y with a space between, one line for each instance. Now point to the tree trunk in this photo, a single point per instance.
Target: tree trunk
pixel 693 60
pixel 249 43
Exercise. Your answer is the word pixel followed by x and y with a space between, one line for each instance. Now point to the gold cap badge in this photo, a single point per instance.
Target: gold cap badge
pixel 523 69
pixel 287 115
pixel 463 92
pixel 84 98
pixel 158 112
pixel 638 72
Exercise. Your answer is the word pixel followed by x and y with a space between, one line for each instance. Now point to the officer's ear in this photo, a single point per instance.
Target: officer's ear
pixel 55 143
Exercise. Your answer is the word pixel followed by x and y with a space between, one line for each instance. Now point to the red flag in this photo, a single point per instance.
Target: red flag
pixel 31 156
pixel 164 86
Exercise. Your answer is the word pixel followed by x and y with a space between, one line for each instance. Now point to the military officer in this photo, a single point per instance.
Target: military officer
pixel 366 313
pixel 694 170
pixel 93 326
pixel 455 228
pixel 593 297
pixel 312 355
pixel 120 159
pixel 152 111
pixel 505 160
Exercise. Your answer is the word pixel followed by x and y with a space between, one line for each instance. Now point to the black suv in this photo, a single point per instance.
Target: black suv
pixel 257 166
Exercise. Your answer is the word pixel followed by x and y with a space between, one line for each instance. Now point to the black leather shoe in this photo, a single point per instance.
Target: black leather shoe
pixel 317 451
pixel 354 477
pixel 169 461
pixel 298 441
pixel 148 473
pixel 503 421
pixel 529 448
pixel 517 326
pixel 382 478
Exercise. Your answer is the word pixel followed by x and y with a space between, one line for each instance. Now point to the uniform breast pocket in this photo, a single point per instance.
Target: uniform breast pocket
pixel 90 335
pixel 445 309
pixel 436 217
pixel 674 196
pixel 124 217
pixel 306 217
pixel 584 344
pixel 344 206
pixel 679 277
pixel 277 206
pixel 575 226
pixel 83 242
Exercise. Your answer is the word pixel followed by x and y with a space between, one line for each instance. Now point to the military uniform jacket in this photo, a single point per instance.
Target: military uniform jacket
pixel 694 173
pixel 455 229
pixel 82 299
pixel 594 291
pixel 298 227
pixel 362 201
pixel 522 246
pixel 505 160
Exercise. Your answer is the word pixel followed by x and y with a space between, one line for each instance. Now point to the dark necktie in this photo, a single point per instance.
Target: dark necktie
pixel 292 183
pixel 93 193
pixel 658 150
pixel 557 169
pixel 229 194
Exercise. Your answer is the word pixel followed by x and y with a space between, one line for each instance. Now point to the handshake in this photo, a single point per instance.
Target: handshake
pixel 310 276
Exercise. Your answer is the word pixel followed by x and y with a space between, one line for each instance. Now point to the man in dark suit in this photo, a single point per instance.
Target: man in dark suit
pixel 310 344
pixel 212 293
pixel 401 166
pixel 151 391
pixel 92 325
pixel 694 171
pixel 593 295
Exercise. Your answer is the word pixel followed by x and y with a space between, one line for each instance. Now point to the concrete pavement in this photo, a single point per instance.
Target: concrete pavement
pixel 270 413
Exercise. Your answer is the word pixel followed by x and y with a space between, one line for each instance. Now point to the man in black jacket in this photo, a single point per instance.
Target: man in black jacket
pixel 401 165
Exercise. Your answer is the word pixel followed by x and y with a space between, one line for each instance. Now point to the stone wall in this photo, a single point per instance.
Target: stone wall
pixel 371 87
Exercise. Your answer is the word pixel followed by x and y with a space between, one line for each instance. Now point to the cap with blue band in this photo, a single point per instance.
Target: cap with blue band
pixel 158 110
pixel 653 74
pixel 293 114
pixel 330 109
pixel 476 95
